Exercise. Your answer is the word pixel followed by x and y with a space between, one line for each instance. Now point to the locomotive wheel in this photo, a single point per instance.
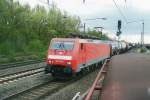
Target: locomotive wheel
pixel 46 70
pixel 53 74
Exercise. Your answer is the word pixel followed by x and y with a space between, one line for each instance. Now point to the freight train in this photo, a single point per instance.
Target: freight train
pixel 117 46
pixel 69 56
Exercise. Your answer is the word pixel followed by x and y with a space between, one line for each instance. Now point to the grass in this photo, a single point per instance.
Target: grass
pixel 23 57
pixel 142 50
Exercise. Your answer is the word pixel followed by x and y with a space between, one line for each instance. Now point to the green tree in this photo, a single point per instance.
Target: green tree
pixel 23 29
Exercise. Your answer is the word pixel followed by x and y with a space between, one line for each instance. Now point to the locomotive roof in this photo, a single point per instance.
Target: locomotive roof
pixel 87 40
pixel 78 39
pixel 63 39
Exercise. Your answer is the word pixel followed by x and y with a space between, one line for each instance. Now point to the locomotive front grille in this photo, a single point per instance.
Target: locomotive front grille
pixel 61 69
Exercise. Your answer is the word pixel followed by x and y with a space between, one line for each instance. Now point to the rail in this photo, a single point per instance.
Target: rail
pixel 97 84
pixel 22 63
pixel 15 76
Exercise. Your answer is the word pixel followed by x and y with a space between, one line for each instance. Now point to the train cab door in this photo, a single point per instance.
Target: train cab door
pixel 83 53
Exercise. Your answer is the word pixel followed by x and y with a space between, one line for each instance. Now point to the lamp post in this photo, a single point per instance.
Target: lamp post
pixel 84 26
pixel 142 33
pixel 97 18
pixel 101 28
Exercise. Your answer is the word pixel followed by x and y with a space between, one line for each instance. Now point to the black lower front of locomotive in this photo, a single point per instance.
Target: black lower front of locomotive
pixel 58 70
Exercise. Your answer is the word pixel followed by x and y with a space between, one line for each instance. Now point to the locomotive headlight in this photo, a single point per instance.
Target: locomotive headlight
pixel 49 61
pixel 68 63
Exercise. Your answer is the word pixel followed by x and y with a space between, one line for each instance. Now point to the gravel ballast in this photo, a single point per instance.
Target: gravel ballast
pixel 69 92
pixel 23 84
pixel 20 68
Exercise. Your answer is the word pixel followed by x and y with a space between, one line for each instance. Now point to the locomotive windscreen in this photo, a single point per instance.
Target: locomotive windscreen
pixel 62 45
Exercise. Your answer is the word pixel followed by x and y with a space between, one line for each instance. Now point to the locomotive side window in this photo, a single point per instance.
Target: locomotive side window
pixel 62 45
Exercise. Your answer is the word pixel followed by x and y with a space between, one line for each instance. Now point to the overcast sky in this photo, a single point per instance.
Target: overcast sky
pixel 133 10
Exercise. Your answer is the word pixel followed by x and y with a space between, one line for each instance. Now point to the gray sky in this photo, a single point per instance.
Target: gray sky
pixel 131 9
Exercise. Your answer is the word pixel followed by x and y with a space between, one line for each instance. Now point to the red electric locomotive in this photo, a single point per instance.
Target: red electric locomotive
pixel 71 55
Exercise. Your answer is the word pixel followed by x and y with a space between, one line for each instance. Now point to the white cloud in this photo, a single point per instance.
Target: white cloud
pixel 89 8
pixel 132 9
pixel 141 5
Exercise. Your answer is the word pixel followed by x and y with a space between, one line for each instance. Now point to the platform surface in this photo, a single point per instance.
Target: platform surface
pixel 128 78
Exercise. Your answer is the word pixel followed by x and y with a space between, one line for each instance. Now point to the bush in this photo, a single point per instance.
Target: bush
pixel 143 49
pixel 33 46
pixel 6 48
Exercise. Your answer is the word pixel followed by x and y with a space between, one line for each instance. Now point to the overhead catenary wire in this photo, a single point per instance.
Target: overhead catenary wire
pixel 47 2
pixel 121 13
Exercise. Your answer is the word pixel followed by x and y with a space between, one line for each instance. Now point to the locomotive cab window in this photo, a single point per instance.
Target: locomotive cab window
pixel 62 45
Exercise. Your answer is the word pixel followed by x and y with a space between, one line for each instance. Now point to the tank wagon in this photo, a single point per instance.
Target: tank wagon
pixel 118 46
pixel 69 56
pixel 124 46
pixel 114 46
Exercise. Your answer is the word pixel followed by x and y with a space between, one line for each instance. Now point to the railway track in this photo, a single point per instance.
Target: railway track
pixel 15 76
pixel 43 90
pixel 35 92
pixel 40 91
pixel 18 64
